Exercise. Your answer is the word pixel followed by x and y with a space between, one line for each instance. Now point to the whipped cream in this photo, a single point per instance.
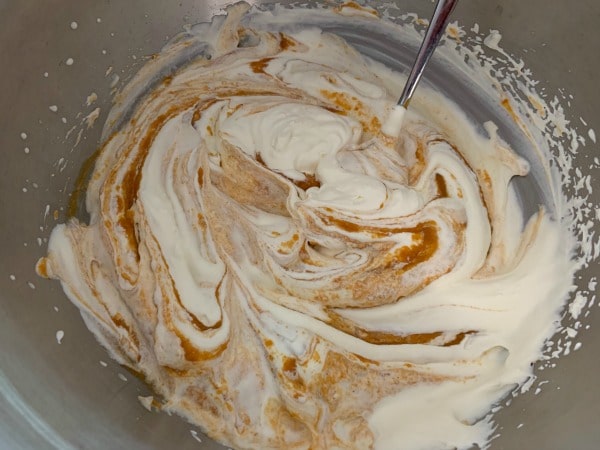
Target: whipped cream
pixel 285 274
pixel 393 123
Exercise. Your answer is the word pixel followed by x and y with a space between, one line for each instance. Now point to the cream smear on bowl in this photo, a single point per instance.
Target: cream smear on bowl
pixel 285 275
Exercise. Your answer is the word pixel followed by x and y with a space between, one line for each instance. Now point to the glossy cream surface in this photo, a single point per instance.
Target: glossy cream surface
pixel 286 275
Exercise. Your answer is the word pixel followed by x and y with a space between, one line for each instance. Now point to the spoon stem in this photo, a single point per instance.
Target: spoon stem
pixel 435 30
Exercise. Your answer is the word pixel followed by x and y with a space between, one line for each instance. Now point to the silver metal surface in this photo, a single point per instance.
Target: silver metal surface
pixel 435 31
pixel 60 396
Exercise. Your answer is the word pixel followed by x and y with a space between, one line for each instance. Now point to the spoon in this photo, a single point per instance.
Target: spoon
pixel 435 30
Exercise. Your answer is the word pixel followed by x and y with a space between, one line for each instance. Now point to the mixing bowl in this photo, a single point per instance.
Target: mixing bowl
pixel 58 387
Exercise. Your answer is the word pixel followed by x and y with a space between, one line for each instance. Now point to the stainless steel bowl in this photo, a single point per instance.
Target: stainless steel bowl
pixel 61 395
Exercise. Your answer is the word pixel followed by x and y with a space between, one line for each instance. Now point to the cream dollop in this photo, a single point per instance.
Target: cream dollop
pixel 286 275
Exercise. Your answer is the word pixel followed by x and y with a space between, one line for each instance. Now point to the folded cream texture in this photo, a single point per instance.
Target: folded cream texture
pixel 285 275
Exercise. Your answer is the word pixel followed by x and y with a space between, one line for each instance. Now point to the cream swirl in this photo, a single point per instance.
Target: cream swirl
pixel 276 267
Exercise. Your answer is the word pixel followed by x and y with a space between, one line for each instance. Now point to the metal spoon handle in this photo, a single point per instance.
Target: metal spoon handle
pixel 435 30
